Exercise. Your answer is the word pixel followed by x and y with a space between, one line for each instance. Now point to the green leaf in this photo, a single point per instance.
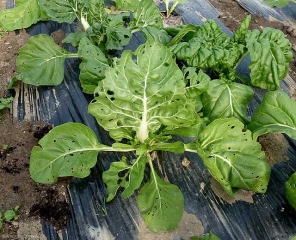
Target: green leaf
pixel 93 65
pixel 42 64
pixel 154 34
pixel 117 37
pixel 208 236
pixel 60 10
pixel 233 158
pixel 146 14
pixel 161 204
pixel 197 82
pixel 176 147
pixel 70 149
pixel 290 187
pixel 10 215
pixel 223 100
pixel 239 35
pixel 276 3
pixel 126 4
pixel 139 96
pixel 74 38
pixel 5 102
pixel 125 175
pixel 276 113
pixel 180 32
pixel 270 55
pixel 26 13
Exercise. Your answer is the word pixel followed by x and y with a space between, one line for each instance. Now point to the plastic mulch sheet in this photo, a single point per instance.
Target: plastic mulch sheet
pixel 269 217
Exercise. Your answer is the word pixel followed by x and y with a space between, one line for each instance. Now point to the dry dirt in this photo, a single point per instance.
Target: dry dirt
pixel 50 202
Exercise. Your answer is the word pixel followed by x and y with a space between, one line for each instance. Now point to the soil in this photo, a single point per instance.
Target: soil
pixel 49 202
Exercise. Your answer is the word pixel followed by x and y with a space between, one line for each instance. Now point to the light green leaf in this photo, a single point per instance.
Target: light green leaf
pixel 155 34
pixel 26 13
pixel 176 147
pixel 10 215
pixel 223 100
pixel 117 37
pixel 93 65
pixel 59 10
pixel 161 204
pixel 271 55
pixel 126 4
pixel 70 149
pixel 126 175
pixel 276 3
pixel 197 82
pixel 233 158
pixel 276 113
pixel 180 32
pixel 290 187
pixel 42 64
pixel 146 14
pixel 208 236
pixel 139 96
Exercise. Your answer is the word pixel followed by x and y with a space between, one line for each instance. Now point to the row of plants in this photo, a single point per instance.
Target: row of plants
pixel 181 82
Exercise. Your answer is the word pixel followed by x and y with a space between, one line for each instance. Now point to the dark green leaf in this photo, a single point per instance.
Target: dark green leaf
pixel 290 187
pixel 233 158
pixel 276 113
pixel 239 35
pixel 70 149
pixel 92 67
pixel 270 55
pixel 74 38
pixel 42 64
pixel 223 100
pixel 181 32
pixel 161 204
pixel 127 176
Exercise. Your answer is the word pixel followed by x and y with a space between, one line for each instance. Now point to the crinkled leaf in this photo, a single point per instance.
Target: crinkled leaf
pixel 276 3
pixel 155 34
pixel 239 35
pixel 161 204
pixel 270 55
pixel 70 149
pixel 26 13
pixel 93 65
pixel 146 14
pixel 125 175
pixel 233 158
pixel 223 100
pixel 60 10
pixel 276 113
pixel 290 187
pixel 141 93
pixel 74 38
pixel 41 64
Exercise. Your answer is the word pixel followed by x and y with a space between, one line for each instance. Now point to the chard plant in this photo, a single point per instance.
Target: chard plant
pixel 146 100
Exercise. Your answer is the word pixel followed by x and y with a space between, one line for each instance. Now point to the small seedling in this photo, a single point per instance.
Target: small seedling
pixel 169 10
pixel 9 215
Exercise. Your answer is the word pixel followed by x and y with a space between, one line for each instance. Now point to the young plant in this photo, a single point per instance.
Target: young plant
pixel 5 103
pixel 9 215
pixel 277 3
pixel 169 10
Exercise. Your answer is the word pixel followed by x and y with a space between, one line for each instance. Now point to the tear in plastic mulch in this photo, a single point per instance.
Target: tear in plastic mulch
pixel 269 217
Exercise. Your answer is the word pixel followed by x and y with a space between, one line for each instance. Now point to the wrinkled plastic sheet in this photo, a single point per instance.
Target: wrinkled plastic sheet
pixel 269 217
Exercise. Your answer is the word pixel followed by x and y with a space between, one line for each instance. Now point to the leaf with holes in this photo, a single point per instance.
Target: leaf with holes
pixel 42 64
pixel 93 65
pixel 276 113
pixel 143 92
pixel 233 158
pixel 222 100
pixel 70 149
pixel 129 176
pixel 26 13
pixel 161 204
pixel 290 187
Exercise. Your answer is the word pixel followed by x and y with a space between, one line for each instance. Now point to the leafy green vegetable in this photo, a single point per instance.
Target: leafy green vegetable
pixel 270 55
pixel 26 13
pixel 42 64
pixel 233 158
pixel 161 204
pixel 137 98
pixel 290 186
pixel 169 10
pixel 276 3
pixel 70 149
pixel 123 174
pixel 223 100
pixel 274 114
pixel 5 103
pixel 9 215
pixel 208 236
